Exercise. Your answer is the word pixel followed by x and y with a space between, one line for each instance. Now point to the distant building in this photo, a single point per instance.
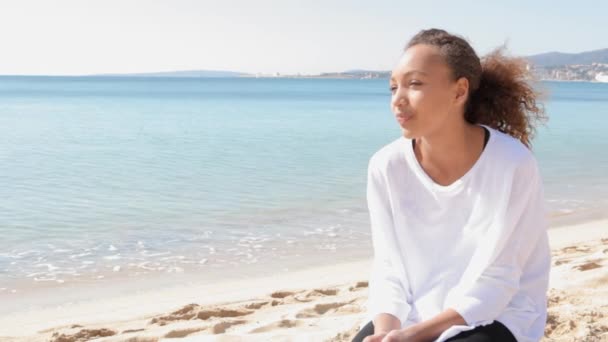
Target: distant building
pixel 602 77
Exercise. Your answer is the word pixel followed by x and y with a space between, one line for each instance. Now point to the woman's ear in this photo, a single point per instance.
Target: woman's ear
pixel 462 90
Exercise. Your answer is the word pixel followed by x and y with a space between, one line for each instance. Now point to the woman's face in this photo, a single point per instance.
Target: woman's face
pixel 424 96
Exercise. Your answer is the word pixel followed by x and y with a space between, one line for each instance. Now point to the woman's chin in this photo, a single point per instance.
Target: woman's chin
pixel 407 133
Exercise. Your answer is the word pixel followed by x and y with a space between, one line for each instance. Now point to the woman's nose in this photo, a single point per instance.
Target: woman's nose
pixel 399 99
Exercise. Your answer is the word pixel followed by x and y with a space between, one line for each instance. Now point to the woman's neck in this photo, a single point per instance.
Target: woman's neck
pixel 447 154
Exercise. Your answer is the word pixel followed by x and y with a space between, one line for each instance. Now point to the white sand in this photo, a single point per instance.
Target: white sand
pixel 320 304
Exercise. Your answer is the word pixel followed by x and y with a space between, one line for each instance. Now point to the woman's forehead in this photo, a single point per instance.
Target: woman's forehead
pixel 423 59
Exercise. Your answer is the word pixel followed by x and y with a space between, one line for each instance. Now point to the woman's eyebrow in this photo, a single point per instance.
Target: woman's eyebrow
pixel 411 72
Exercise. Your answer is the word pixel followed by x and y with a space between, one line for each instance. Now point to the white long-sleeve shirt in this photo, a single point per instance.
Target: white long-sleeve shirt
pixel 478 246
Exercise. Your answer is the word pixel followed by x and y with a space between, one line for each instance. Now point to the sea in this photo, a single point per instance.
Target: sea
pixel 120 180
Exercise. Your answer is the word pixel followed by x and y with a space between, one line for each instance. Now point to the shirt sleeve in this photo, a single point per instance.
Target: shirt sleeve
pixel 497 265
pixel 386 292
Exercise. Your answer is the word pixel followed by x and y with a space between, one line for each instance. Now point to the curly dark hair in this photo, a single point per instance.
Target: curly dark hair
pixel 500 94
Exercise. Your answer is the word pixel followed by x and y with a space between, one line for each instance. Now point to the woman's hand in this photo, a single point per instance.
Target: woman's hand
pixel 377 337
pixel 427 330
pixel 408 334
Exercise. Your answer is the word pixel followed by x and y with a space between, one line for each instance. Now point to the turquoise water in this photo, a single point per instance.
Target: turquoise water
pixel 114 177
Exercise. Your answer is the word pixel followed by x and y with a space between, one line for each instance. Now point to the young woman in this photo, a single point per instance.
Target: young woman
pixel 456 203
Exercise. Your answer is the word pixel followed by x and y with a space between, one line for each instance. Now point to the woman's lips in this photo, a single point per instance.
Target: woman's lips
pixel 403 118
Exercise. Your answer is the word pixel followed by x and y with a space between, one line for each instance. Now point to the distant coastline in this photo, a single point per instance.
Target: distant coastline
pixel 555 75
pixel 590 66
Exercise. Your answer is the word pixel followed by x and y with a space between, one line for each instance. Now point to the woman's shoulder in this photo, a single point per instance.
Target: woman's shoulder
pixel 388 154
pixel 508 151
pixel 509 155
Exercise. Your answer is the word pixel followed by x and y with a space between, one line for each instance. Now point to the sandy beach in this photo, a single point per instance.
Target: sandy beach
pixel 317 304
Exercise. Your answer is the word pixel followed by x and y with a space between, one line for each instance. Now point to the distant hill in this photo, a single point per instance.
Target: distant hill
pixel 550 59
pixel 584 66
pixel 185 73
pixel 362 71
pixel 356 73
pixel 590 66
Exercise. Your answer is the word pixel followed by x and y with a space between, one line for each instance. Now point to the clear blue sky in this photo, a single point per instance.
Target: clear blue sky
pixel 74 37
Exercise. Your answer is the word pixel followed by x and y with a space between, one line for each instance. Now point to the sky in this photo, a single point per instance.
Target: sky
pixel 81 37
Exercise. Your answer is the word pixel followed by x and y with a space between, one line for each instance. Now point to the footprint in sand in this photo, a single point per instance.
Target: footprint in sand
pixel 311 295
pixel 70 326
pixel 359 285
pixel 142 339
pixel 323 292
pixel 180 333
pixel 255 306
pixel 187 312
pixel 572 249
pixel 289 297
pixel 282 324
pixel 218 328
pixel 281 294
pixel 194 311
pixel 221 327
pixel 283 297
pixel 206 314
pixel 329 309
pixel 132 331
pixel 587 266
pixel 82 335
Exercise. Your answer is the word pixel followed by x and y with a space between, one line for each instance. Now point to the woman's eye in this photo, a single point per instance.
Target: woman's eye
pixel 416 83
pixel 392 89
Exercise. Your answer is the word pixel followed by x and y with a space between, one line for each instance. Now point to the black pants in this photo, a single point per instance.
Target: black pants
pixel 494 332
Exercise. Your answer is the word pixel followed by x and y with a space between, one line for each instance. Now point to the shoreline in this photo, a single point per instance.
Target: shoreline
pixel 156 301
pixel 348 278
pixel 303 254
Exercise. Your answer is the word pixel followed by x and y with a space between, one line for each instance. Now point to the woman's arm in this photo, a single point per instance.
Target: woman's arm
pixel 493 277
pixel 384 323
pixel 430 329
pixel 387 300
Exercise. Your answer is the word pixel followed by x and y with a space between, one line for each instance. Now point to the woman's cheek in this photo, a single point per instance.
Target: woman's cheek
pixel 417 98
